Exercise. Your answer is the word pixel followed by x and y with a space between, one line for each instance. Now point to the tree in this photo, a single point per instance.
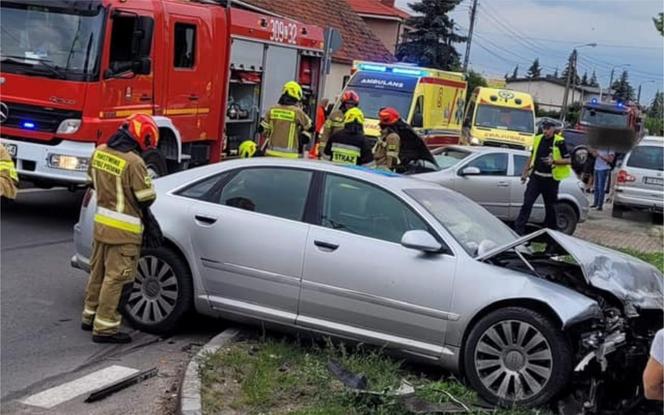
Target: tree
pixel 515 73
pixel 431 42
pixel 535 69
pixel 574 80
pixel 593 80
pixel 659 23
pixel 474 80
pixel 622 90
pixel 584 79
pixel 655 119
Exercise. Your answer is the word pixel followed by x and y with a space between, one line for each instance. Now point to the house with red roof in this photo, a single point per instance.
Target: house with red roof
pixel 385 20
pixel 359 40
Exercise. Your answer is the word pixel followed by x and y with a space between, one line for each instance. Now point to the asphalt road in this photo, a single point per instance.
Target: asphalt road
pixel 41 343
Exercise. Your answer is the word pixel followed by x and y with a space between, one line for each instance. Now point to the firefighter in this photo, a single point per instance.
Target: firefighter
pixel 350 146
pixel 123 188
pixel 8 175
pixel 335 122
pixel 386 150
pixel 549 163
pixel 286 125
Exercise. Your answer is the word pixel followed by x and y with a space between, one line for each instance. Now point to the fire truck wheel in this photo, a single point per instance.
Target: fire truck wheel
pixel 155 163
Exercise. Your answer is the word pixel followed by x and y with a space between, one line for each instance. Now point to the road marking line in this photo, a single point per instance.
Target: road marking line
pixel 95 380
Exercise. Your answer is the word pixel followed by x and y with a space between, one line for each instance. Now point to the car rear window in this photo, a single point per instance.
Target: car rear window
pixel 647 157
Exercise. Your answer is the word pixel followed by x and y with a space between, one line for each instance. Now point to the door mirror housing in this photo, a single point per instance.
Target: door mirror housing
pixel 421 241
pixel 469 171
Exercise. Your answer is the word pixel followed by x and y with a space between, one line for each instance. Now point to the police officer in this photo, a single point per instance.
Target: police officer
pixel 549 163
pixel 350 146
pixel 123 188
pixel 8 174
pixel 386 150
pixel 335 122
pixel 286 125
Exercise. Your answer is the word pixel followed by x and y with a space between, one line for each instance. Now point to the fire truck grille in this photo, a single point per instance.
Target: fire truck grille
pixel 35 118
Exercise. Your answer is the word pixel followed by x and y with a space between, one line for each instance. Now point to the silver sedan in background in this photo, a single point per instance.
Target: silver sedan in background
pixel 390 260
pixel 492 177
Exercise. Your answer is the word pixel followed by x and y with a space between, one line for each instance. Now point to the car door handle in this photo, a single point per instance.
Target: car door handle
pixel 503 184
pixel 326 245
pixel 205 219
pixel 193 97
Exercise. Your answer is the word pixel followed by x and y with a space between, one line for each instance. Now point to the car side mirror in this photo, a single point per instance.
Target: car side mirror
pixel 421 241
pixel 470 171
pixel 142 66
pixel 418 121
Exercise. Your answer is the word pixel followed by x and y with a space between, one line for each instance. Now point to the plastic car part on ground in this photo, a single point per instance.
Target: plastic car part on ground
pixel 359 384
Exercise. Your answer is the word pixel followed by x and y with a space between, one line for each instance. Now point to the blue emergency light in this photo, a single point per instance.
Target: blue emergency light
pixel 594 100
pixel 407 71
pixel 28 125
pixel 620 105
pixel 374 68
pixel 385 69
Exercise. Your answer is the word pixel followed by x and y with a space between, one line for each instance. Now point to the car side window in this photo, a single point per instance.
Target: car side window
pixel 494 164
pixel 184 54
pixel 519 165
pixel 357 207
pixel 277 192
pixel 202 189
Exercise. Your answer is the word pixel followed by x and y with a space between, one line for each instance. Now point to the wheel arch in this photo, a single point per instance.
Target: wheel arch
pixel 170 140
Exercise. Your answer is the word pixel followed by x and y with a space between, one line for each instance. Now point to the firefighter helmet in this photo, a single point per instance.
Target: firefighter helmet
pixel 143 129
pixel 354 115
pixel 388 116
pixel 247 149
pixel 350 97
pixel 293 90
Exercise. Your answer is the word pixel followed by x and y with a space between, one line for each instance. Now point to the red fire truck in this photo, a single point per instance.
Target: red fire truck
pixel 72 70
pixel 610 114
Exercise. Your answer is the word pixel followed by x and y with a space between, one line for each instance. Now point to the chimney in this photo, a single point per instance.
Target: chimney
pixel 388 3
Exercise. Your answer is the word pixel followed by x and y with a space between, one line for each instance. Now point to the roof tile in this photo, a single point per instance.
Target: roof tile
pixel 375 7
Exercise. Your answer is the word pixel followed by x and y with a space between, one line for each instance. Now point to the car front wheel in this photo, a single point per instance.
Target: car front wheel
pixel 161 294
pixel 517 356
pixel 566 217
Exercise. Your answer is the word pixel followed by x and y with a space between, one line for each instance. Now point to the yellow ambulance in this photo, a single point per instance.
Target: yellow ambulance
pixel 499 118
pixel 430 100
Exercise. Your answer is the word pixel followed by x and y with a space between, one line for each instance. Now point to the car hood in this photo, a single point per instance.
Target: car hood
pixel 634 282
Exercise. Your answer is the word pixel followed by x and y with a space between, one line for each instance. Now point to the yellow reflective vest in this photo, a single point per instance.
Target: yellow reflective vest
pixel 559 172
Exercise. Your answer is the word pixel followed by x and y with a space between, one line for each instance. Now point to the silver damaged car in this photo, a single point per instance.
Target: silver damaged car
pixel 390 260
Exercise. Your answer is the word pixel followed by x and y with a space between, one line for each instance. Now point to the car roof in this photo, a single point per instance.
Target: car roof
pixel 488 149
pixel 652 139
pixel 382 178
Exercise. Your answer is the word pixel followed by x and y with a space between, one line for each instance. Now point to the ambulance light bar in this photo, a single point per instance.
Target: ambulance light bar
pixel 389 69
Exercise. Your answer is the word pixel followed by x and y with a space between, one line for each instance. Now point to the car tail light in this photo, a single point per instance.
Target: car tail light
pixel 86 198
pixel 624 177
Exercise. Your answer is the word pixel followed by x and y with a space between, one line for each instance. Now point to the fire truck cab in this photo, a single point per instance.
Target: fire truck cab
pixel 72 70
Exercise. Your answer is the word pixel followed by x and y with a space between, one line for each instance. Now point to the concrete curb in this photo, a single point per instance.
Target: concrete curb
pixel 190 393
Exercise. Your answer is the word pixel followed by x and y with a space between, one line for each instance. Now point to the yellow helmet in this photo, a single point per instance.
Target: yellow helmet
pixel 247 149
pixel 293 90
pixel 354 115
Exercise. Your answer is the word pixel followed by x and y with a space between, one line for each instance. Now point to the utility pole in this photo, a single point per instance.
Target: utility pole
pixel 571 70
pixel 466 57
pixel 611 84
pixel 638 95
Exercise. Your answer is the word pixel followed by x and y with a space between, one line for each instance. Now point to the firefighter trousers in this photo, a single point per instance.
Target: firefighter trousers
pixel 112 267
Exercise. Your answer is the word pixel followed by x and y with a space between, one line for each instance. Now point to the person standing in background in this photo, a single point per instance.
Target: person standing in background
pixel 603 160
pixel 653 375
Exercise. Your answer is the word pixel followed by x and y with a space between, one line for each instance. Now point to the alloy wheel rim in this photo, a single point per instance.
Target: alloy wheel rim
pixel 513 360
pixel 154 292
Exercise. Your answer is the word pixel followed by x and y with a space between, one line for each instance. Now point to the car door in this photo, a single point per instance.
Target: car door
pixel 249 238
pixel 491 187
pixel 518 189
pixel 359 282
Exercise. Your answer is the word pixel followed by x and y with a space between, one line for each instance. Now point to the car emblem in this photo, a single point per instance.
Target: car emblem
pixel 505 94
pixel 4 112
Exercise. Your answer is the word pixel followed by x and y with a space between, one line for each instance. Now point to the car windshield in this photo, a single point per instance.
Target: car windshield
pixel 503 118
pixel 647 157
pixel 470 224
pixel 603 118
pixel 52 42
pixel 450 157
pixel 373 99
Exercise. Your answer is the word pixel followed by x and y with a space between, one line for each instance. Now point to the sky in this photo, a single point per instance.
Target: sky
pixel 511 32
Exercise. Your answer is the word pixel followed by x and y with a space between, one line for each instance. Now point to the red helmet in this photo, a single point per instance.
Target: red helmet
pixel 350 97
pixel 143 129
pixel 388 116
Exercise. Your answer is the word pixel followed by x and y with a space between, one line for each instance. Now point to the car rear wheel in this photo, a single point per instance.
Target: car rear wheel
pixel 566 217
pixel 517 356
pixel 161 294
